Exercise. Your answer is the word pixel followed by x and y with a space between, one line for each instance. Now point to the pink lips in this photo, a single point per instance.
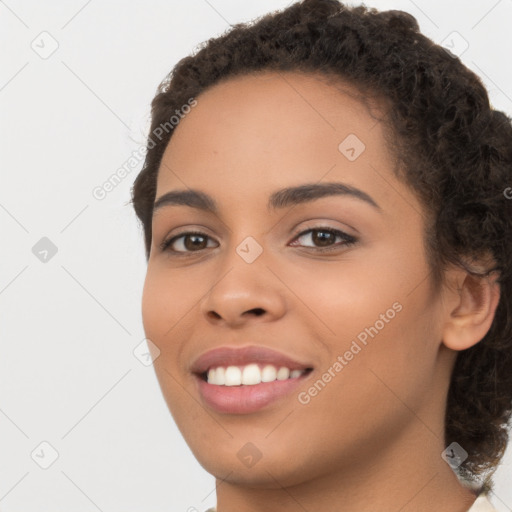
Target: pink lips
pixel 245 399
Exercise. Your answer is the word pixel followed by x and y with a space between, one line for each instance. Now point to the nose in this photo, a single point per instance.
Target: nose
pixel 245 292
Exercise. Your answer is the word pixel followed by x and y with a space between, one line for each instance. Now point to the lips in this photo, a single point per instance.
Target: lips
pixel 228 356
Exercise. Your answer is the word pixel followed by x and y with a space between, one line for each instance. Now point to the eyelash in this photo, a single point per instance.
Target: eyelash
pixel 348 240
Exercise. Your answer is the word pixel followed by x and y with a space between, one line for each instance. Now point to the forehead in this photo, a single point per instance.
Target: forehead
pixel 273 129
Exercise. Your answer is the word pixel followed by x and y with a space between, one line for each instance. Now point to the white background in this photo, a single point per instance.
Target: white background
pixel 68 327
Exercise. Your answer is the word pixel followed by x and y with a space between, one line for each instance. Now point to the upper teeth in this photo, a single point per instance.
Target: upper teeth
pixel 249 375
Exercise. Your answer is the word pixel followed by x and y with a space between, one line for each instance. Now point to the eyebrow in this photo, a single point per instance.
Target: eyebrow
pixel 283 198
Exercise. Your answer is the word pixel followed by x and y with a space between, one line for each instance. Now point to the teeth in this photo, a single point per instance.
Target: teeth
pixel 233 376
pixel 249 375
pixel 269 373
pixel 283 373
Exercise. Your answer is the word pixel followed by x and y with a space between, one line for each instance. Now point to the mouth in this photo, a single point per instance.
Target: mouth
pixel 236 398
pixel 242 380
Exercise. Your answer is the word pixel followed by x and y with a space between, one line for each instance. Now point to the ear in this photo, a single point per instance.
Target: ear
pixel 470 309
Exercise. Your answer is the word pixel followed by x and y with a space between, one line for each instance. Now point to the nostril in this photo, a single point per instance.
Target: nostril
pixel 258 311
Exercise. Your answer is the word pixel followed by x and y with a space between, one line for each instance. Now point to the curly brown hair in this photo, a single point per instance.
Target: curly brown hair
pixel 451 147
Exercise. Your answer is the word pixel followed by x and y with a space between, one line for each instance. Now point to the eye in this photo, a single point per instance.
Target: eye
pixel 190 241
pixel 325 237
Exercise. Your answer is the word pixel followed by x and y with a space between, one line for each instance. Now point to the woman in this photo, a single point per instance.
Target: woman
pixel 329 243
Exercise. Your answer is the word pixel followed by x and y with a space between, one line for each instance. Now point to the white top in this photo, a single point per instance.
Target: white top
pixel 482 504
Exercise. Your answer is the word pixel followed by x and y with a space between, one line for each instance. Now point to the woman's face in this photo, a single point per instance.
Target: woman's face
pixel 357 309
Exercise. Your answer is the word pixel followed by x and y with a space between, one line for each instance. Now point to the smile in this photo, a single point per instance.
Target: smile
pixel 238 398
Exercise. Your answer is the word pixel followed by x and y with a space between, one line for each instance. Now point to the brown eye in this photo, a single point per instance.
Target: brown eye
pixel 186 242
pixel 326 237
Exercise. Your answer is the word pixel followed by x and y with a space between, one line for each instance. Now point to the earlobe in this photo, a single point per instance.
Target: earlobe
pixel 469 321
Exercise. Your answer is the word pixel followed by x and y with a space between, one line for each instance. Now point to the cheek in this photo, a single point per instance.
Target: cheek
pixel 342 298
pixel 374 310
pixel 362 401
pixel 167 300
pixel 153 300
pixel 165 320
pixel 161 314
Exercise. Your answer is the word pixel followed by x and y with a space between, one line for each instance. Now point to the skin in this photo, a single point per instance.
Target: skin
pixel 372 438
